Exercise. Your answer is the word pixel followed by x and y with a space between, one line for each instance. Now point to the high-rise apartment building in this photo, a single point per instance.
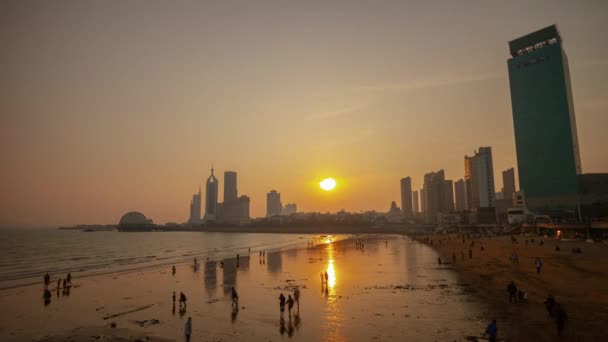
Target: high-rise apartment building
pixel 273 203
pixel 416 203
pixel 195 208
pixel 546 141
pixel 448 195
pixel 508 184
pixel 479 179
pixel 438 195
pixel 406 196
pixel 460 195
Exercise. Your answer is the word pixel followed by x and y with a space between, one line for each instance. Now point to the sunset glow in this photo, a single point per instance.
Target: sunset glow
pixel 328 184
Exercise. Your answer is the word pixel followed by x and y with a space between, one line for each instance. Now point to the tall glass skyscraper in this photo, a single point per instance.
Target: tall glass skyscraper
pixel 543 117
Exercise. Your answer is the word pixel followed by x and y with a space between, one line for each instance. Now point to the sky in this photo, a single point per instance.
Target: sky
pixel 115 106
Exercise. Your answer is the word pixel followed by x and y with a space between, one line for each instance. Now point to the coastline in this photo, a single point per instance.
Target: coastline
pixel 577 281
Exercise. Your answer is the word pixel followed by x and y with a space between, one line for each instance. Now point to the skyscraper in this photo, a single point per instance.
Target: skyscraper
pixel 195 208
pixel 235 210
pixel 422 200
pixel 437 195
pixel 508 183
pixel 406 196
pixel 230 189
pixel 546 141
pixel 461 198
pixel 479 179
pixel 211 198
pixel 448 196
pixel 416 203
pixel 273 203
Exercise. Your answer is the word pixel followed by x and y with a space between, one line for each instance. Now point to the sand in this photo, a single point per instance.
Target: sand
pixel 391 290
pixel 579 282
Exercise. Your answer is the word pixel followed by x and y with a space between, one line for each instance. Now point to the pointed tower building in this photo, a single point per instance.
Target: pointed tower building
pixel 211 198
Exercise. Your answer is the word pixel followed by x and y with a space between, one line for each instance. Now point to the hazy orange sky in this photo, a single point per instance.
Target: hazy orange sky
pixel 113 106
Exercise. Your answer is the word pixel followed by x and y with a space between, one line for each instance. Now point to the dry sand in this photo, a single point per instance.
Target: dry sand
pixel 579 282
pixel 387 291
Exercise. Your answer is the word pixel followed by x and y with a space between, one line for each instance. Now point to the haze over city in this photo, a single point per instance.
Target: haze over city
pixel 119 106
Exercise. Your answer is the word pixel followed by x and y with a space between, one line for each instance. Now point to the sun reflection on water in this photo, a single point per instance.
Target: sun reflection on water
pixel 331 273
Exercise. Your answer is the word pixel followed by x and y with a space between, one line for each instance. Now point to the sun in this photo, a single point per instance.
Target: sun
pixel 328 184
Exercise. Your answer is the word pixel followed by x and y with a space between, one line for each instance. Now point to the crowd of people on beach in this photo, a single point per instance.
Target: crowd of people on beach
pixel 66 282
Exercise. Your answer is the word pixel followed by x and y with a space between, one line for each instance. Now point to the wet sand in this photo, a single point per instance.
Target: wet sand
pixel 579 282
pixel 386 291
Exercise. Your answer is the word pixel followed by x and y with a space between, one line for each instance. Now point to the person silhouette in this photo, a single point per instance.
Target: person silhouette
pixel 290 302
pixel 282 304
pixel 235 298
pixel 188 329
pixel 296 295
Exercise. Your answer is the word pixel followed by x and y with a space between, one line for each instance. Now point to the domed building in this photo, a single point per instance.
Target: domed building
pixel 134 221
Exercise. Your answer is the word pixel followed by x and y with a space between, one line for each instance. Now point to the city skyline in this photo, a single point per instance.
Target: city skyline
pixel 99 119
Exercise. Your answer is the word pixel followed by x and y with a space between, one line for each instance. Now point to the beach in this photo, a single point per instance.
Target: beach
pixel 391 289
pixel 579 283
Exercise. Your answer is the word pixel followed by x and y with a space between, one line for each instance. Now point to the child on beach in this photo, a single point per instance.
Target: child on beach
pixel 296 295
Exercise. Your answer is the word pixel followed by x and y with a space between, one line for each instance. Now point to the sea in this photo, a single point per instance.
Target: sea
pixel 27 254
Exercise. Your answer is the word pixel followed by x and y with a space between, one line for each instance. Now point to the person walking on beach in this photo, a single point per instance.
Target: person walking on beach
pixel 290 302
pixel 58 284
pixel 326 277
pixel 173 269
pixel 173 298
pixel 282 304
pixel 47 280
pixel 538 265
pixel 188 329
pixel 512 290
pixel 560 319
pixel 235 298
pixel 550 304
pixel 296 295
pixel 182 299
pixel 491 331
pixel 69 278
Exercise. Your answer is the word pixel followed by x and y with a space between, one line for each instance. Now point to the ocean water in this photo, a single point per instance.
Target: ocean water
pixel 27 254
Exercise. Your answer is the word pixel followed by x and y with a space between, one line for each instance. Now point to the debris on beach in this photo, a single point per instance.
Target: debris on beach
pixel 147 322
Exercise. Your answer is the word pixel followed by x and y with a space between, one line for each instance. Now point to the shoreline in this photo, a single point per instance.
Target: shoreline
pixel 577 281
pixel 186 260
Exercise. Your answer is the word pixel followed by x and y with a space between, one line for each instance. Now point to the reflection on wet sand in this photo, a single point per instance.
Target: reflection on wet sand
pixel 229 274
pixel 333 317
pixel 210 277
pixel 274 262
